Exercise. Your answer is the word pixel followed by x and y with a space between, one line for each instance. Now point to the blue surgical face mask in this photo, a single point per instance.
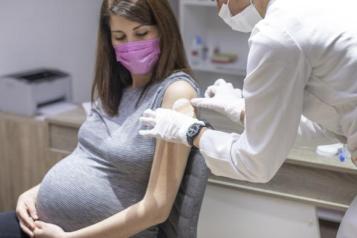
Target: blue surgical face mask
pixel 243 21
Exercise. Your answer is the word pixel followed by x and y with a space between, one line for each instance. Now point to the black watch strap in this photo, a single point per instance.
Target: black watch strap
pixel 194 130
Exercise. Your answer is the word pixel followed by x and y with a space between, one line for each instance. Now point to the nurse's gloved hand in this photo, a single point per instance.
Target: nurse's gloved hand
pixel 169 125
pixel 223 98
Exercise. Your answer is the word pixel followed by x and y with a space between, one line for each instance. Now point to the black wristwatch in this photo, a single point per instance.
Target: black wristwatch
pixel 194 130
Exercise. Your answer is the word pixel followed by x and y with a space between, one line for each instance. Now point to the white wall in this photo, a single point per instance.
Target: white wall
pixel 50 33
pixel 175 6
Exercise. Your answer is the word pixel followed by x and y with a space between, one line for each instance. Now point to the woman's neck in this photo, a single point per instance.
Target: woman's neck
pixel 140 80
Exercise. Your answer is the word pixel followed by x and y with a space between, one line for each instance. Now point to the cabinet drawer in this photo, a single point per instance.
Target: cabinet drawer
pixel 322 188
pixel 63 138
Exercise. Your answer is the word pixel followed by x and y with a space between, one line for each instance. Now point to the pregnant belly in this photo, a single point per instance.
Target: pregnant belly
pixel 75 193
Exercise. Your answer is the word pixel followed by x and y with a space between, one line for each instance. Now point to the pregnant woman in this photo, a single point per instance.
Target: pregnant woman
pixel 117 183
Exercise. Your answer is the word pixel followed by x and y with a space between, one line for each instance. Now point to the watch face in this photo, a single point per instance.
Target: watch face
pixel 193 130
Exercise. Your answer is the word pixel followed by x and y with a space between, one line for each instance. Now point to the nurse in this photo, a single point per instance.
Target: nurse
pixel 301 88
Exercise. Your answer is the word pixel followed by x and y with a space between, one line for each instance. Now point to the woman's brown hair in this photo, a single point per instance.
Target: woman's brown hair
pixel 111 77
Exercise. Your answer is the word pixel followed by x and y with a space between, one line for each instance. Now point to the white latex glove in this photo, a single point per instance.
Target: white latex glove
pixel 223 98
pixel 169 125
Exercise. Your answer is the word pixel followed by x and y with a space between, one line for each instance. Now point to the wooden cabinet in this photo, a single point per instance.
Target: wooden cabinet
pixel 63 132
pixel 28 151
pixel 23 163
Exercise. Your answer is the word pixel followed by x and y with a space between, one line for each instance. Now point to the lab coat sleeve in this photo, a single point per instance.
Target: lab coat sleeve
pixel 273 92
pixel 311 134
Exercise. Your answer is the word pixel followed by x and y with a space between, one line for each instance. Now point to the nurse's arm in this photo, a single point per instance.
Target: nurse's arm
pixel 310 134
pixel 274 93
pixel 166 174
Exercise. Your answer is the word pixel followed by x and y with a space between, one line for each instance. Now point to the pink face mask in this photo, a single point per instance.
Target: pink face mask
pixel 139 57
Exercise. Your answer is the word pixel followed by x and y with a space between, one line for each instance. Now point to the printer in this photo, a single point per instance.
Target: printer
pixel 25 93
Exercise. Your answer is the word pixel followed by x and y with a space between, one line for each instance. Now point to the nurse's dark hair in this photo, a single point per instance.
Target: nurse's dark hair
pixel 112 77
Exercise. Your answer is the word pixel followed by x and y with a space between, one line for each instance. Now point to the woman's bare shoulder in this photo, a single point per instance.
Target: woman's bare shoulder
pixel 177 90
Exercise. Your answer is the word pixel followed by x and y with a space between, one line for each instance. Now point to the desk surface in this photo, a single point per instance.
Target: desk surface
pixel 300 156
pixel 73 118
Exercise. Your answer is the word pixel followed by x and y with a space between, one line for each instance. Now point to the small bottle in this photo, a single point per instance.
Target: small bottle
pixel 205 53
pixel 343 153
pixel 196 51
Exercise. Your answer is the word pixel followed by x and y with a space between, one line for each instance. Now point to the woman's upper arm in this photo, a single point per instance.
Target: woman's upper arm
pixel 177 90
pixel 170 159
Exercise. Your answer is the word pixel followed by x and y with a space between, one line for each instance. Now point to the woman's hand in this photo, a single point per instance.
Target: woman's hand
pixel 26 210
pixel 46 230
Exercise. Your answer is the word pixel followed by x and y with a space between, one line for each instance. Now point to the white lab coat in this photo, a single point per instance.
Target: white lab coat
pixel 302 62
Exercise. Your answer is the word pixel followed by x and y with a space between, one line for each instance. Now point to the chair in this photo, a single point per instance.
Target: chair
pixel 183 218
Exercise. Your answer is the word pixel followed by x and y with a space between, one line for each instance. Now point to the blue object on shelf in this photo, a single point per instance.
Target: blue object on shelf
pixel 342 156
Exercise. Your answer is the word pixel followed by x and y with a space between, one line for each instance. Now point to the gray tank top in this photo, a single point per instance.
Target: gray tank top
pixel 110 168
